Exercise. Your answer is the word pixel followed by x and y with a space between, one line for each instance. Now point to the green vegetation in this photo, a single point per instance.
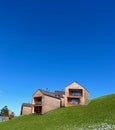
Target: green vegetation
pixel 99 114
pixel 4 111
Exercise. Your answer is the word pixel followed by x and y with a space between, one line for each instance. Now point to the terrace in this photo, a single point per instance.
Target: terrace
pixel 76 92
pixel 37 100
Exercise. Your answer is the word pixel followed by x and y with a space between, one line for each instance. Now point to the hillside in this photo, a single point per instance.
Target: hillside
pixel 99 114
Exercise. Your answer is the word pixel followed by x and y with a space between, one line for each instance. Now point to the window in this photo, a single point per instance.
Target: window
pixel 76 92
pixel 75 101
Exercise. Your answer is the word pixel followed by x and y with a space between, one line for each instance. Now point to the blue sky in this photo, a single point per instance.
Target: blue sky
pixel 49 44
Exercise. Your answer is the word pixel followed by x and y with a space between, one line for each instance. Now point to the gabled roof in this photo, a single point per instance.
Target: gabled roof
pixel 56 94
pixel 77 84
pixel 59 93
pixel 47 93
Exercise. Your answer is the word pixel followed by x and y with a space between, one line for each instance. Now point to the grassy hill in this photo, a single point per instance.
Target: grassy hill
pixel 99 114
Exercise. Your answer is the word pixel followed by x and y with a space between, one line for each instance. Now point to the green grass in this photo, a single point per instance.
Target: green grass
pixel 99 114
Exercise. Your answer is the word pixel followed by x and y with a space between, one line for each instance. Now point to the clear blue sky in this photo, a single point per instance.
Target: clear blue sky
pixel 49 44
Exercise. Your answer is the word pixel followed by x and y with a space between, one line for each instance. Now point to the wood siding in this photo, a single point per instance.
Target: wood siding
pixel 26 110
pixel 49 104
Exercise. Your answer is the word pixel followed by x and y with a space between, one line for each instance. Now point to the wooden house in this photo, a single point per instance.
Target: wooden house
pixel 45 101
pixel 76 95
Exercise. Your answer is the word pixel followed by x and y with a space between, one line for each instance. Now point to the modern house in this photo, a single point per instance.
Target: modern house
pixel 45 101
pixel 76 95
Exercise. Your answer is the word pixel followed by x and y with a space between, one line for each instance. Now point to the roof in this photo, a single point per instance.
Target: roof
pixel 59 93
pixel 26 104
pixel 78 84
pixel 56 94
pixel 51 94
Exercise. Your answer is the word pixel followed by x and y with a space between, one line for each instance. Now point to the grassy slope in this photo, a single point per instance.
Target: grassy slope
pixel 99 114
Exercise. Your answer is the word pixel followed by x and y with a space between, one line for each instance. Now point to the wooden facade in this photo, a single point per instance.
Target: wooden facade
pixel 45 101
pixel 26 109
pixel 76 95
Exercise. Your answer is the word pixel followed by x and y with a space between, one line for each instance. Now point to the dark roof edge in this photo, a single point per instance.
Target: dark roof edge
pixel 25 104
pixel 42 91
pixel 35 92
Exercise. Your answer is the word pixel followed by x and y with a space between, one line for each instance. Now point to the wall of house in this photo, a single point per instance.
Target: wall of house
pixel 26 110
pixel 72 86
pixel 38 94
pixel 86 97
pixel 62 102
pixel 49 104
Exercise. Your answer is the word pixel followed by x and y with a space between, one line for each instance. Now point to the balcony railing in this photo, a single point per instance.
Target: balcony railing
pixel 73 103
pixel 75 93
pixel 38 103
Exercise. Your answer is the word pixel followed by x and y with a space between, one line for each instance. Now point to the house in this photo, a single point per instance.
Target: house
pixel 76 95
pixel 45 101
pixel 26 108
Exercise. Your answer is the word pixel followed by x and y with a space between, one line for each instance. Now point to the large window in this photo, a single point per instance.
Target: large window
pixel 75 101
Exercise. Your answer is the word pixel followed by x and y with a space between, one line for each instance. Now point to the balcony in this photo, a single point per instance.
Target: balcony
pixel 37 101
pixel 75 92
pixel 73 101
